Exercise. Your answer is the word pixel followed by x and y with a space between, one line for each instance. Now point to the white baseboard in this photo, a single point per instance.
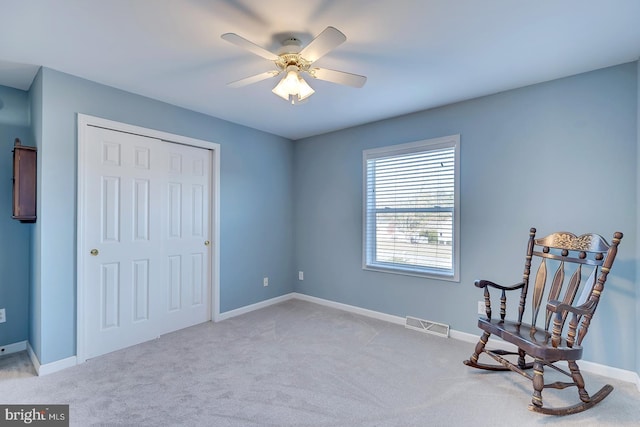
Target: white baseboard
pixel 351 308
pixel 492 343
pixel 13 348
pixel 248 308
pixel 49 368
pixel 610 372
pixel 33 357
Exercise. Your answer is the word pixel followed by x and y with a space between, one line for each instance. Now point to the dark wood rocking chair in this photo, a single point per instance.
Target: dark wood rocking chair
pixel 588 255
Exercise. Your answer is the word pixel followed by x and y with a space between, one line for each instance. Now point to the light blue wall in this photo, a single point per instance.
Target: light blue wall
pixel 14 236
pixel 558 156
pixel 256 200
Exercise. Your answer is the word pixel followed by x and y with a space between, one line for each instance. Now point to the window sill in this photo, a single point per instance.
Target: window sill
pixel 411 272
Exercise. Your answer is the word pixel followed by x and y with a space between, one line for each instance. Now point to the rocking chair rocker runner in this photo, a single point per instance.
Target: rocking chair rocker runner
pixel 543 341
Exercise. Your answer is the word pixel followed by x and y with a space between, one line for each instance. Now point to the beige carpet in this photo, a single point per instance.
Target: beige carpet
pixel 299 364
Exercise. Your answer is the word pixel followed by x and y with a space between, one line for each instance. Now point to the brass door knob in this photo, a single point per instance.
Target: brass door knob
pixel 207 243
pixel 94 252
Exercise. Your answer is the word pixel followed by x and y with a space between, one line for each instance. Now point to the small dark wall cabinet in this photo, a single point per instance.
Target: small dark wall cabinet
pixel 24 182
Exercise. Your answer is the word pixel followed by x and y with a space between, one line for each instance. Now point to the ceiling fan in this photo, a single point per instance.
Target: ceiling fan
pixel 292 60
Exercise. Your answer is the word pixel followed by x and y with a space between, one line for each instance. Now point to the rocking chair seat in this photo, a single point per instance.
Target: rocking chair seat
pixel 536 344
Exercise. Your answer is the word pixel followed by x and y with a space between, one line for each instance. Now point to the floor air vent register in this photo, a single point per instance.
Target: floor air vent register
pixel 427 326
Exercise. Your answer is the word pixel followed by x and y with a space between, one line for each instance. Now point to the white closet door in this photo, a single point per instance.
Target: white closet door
pixel 147 207
pixel 186 245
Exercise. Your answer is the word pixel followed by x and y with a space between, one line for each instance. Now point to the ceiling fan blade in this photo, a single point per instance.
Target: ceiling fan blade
pixel 250 46
pixel 329 39
pixel 339 77
pixel 253 79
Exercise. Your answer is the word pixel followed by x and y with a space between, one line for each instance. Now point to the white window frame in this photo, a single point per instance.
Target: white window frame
pixel 368 220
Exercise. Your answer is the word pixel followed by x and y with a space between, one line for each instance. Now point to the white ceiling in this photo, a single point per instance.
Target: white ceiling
pixel 417 54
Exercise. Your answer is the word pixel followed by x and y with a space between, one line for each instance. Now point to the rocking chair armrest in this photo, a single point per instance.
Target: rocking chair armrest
pixel 558 307
pixel 485 283
pixel 562 310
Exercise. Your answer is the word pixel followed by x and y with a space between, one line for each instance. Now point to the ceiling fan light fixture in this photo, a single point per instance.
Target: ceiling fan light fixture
pixel 304 90
pixel 292 87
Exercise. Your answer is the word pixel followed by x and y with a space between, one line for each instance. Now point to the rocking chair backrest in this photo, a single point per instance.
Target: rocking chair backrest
pixel 588 254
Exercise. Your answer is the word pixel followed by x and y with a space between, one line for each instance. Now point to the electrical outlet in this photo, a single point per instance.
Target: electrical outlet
pixel 300 275
pixel 3 315
pixel 481 308
pixel 265 281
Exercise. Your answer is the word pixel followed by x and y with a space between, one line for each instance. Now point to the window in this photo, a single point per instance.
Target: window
pixel 411 208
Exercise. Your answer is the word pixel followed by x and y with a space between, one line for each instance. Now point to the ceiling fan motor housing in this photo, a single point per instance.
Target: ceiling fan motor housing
pixel 290 45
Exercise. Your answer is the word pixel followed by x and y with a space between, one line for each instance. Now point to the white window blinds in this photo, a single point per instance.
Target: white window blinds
pixel 411 208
